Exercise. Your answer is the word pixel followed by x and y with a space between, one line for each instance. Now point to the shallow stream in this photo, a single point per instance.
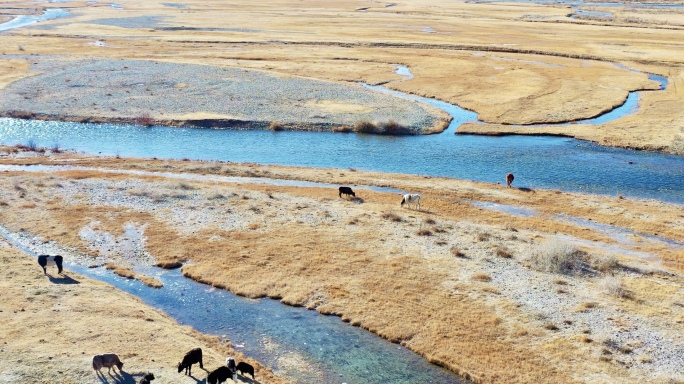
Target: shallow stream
pixel 297 343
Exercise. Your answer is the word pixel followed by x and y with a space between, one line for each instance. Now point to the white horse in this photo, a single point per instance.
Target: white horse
pixel 411 198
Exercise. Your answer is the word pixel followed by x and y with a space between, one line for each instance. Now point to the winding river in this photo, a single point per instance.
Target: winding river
pixel 538 162
pixel 336 352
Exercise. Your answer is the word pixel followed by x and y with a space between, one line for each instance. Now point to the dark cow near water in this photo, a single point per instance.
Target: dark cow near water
pixel 193 356
pixel 509 179
pixel 44 260
pixel 219 375
pixel 245 368
pixel 147 379
pixel 347 191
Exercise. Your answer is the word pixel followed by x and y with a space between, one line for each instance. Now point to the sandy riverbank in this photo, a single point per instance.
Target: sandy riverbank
pixel 455 282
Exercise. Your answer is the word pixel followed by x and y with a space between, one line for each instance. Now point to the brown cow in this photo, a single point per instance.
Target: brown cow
pixel 509 179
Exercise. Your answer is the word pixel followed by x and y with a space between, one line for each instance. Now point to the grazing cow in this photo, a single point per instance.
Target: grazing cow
pixel 411 198
pixel 347 191
pixel 509 179
pixel 193 356
pixel 230 363
pixel 146 379
pixel 108 360
pixel 45 260
pixel 245 368
pixel 219 375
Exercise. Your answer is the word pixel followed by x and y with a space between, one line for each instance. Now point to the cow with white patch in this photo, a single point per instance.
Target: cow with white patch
pixel 411 198
pixel 45 260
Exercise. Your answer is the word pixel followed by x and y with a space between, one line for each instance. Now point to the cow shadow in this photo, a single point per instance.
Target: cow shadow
pixel 198 381
pixel 117 377
pixel 525 189
pixel 245 379
pixel 357 200
pixel 63 279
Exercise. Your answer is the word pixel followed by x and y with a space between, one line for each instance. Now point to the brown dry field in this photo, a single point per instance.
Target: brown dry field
pixel 512 63
pixel 452 281
pixel 52 327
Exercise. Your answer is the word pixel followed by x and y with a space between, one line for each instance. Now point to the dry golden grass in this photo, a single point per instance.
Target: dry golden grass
pixel 54 329
pixel 120 270
pixel 307 263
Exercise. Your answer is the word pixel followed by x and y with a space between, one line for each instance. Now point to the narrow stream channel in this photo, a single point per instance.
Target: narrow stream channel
pixel 24 20
pixel 275 334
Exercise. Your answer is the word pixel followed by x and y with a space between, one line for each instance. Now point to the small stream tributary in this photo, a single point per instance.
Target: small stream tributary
pixel 24 20
pixel 297 343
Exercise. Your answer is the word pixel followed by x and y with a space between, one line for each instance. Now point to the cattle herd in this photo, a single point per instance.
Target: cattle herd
pixel 194 356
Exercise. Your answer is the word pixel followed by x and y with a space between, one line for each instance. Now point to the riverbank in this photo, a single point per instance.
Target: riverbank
pixel 464 288
pixel 53 326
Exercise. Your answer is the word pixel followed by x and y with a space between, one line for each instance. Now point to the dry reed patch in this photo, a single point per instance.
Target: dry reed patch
pixel 49 328
pixel 557 257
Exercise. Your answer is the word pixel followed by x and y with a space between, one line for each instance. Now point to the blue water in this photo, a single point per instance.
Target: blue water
pixel 336 351
pixel 24 20
pixel 537 162
pixel 267 330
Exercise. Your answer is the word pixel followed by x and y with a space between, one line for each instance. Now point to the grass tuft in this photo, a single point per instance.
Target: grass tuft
pixel 276 126
pixel 503 252
pixel 457 252
pixel 557 257
pixel 481 277
pixel 391 216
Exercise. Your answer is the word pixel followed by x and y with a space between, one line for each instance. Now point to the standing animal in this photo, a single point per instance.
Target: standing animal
pixel 108 360
pixel 44 260
pixel 509 179
pixel 146 379
pixel 219 375
pixel 411 198
pixel 230 363
pixel 245 368
pixel 193 356
pixel 347 191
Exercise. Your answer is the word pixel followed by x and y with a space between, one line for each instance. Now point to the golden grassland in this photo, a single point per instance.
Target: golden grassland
pixel 511 63
pixel 53 326
pixel 432 280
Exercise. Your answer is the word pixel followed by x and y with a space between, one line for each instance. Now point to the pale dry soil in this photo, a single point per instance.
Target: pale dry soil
pixel 453 282
pixel 512 63
pixel 53 325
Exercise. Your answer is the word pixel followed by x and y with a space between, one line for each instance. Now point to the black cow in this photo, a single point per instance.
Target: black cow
pixel 194 356
pixel 244 368
pixel 219 375
pixel 347 191
pixel 44 260
pixel 146 379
